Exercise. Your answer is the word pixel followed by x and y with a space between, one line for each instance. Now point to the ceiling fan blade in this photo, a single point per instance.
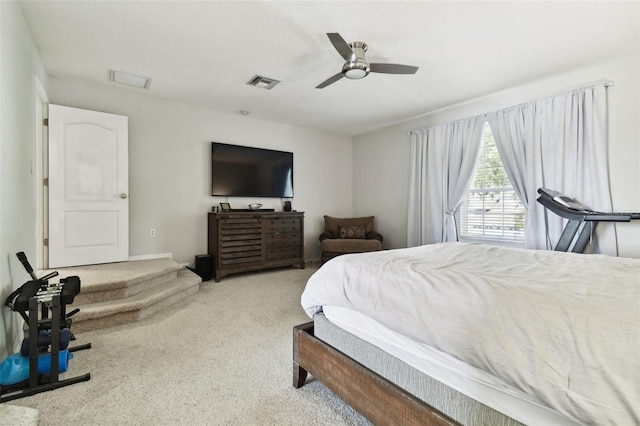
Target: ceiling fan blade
pixel 393 68
pixel 341 46
pixel 330 80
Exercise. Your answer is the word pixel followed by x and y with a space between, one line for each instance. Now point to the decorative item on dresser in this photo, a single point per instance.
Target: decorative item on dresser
pixel 252 241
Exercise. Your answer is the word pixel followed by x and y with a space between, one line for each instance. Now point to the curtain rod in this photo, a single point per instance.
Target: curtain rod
pixel 606 84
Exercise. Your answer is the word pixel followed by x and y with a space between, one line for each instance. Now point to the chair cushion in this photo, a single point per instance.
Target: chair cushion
pixel 332 224
pixel 346 245
pixel 353 231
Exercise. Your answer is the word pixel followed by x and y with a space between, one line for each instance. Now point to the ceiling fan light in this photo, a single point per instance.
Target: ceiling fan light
pixel 355 73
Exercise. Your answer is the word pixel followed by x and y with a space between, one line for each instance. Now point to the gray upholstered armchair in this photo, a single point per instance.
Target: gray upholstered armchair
pixel 348 235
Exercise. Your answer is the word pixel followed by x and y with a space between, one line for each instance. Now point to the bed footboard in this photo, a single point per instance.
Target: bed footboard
pixel 371 395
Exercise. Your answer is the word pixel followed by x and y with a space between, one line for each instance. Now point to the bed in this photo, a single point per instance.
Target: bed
pixel 459 333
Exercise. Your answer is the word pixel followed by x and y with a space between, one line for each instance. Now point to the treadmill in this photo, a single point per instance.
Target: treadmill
pixel 580 219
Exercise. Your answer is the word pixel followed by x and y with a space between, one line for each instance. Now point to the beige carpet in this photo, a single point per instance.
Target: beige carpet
pixel 221 357
pixel 11 415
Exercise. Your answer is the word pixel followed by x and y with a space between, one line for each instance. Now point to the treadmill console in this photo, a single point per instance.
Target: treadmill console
pixel 578 215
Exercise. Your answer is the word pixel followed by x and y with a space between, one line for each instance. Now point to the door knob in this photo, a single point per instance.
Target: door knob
pixel 123 196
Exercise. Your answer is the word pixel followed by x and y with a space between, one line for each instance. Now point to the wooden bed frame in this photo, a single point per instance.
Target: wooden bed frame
pixel 373 396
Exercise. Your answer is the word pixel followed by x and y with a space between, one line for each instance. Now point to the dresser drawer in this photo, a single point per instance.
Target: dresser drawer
pixel 281 225
pixel 282 239
pixel 283 253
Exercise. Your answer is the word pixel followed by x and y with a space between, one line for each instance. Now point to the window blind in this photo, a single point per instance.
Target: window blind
pixel 491 209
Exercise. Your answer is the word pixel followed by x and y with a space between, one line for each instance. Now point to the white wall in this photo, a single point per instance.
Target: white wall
pixel 381 158
pixel 170 163
pixel 19 66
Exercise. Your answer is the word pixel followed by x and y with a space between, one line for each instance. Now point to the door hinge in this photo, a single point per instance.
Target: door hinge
pixel 46 121
pixel 45 181
pixel 46 242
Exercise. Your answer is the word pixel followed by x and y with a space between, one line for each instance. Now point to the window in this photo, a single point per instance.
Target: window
pixel 491 210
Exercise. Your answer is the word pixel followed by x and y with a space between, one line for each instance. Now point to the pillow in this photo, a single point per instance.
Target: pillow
pixel 353 232
pixel 332 224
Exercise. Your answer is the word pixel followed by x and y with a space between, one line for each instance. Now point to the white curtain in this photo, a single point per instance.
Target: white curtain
pixel 442 165
pixel 558 143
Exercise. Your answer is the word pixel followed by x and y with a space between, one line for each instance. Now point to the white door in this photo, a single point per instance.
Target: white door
pixel 88 187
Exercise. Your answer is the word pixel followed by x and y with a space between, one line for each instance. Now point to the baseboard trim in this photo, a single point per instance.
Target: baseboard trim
pixel 170 255
pixel 151 256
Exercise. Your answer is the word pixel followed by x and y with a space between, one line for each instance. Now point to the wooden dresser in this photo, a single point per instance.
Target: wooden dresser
pixel 251 241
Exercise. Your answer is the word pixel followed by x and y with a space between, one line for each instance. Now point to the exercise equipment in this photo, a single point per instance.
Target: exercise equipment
pixel 44 341
pixel 43 307
pixel 580 218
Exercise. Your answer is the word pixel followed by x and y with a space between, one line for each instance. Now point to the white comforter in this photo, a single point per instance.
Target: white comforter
pixel 562 327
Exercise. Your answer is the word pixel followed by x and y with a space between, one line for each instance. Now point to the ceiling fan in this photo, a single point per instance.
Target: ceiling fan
pixel 356 66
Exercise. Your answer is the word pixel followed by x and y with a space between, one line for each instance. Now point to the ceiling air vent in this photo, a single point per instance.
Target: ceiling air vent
pixel 122 77
pixel 263 82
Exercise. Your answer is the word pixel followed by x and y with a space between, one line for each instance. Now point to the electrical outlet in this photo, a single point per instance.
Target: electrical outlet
pixel 152 232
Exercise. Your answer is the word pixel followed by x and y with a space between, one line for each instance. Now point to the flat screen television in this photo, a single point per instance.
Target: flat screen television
pixel 243 171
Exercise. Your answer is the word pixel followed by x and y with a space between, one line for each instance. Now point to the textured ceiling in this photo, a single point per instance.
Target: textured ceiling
pixel 203 53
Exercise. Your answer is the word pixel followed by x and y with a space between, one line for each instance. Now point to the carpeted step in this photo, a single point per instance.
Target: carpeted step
pixel 112 281
pixel 136 307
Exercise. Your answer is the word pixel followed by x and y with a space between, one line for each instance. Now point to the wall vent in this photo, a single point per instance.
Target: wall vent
pixel 263 82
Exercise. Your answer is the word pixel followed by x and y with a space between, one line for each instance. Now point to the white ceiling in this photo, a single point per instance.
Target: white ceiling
pixel 203 53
